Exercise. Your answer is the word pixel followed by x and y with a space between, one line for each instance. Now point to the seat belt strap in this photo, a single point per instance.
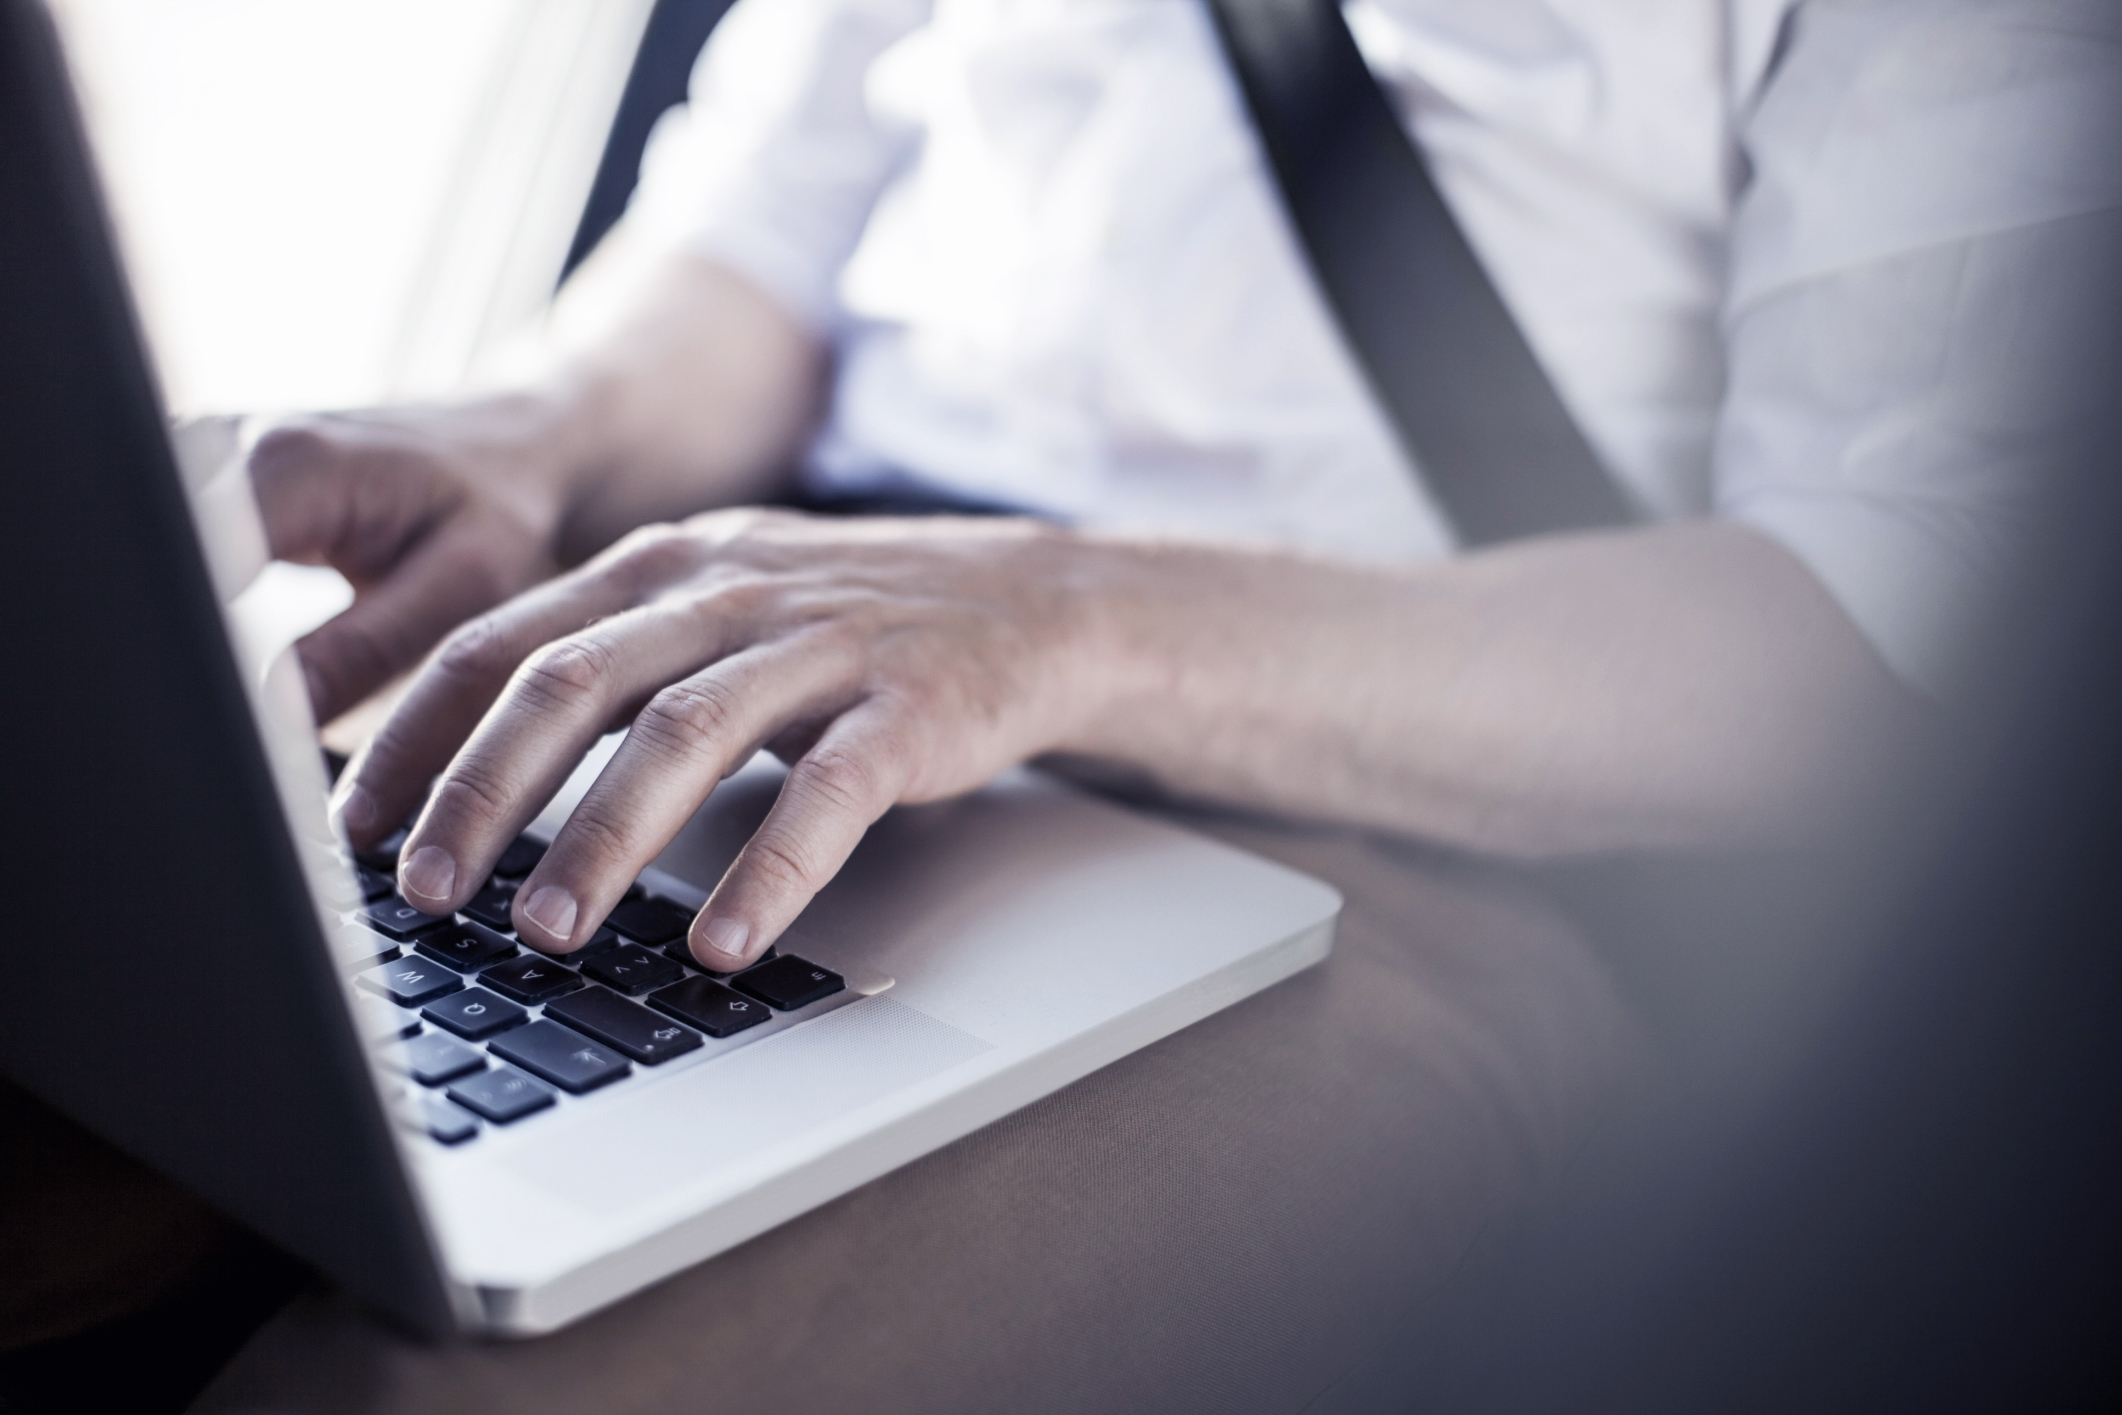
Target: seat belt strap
pixel 1462 388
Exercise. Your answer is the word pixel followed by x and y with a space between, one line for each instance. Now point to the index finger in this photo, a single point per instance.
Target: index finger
pixel 453 692
pixel 688 738
pixel 392 622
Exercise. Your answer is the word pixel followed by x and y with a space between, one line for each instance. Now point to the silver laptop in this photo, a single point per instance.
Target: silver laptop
pixel 467 1134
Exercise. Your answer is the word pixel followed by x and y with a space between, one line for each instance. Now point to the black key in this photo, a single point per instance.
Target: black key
pixel 711 1007
pixel 442 1120
pixel 651 921
pixel 382 857
pixel 530 977
pixel 401 920
pixel 788 983
pixel 520 858
pixel 374 885
pixel 475 1013
pixel 490 907
pixel 466 947
pixel 561 1056
pixel 629 1026
pixel 598 942
pixel 632 970
pixel 682 952
pixel 432 1058
pixel 501 1095
pixel 410 981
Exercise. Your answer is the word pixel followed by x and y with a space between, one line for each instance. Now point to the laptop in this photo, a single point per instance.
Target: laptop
pixel 465 1134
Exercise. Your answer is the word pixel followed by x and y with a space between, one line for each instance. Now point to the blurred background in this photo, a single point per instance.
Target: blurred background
pixel 335 203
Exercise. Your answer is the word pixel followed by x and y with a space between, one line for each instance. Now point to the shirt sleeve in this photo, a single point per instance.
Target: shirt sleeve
pixel 774 163
pixel 1912 295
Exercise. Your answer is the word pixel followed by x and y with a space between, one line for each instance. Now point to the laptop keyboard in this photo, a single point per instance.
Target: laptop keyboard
pixel 486 1032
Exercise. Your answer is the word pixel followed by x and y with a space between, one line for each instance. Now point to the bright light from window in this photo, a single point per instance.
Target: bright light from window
pixel 330 203
pixel 279 169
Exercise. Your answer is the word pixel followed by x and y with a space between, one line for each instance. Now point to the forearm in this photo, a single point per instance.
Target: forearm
pixel 668 385
pixel 1685 686
pixel 1679 687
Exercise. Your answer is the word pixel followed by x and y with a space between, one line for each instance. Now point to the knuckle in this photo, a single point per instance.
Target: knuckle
pixel 652 554
pixel 472 792
pixel 749 521
pixel 597 832
pixel 647 540
pixel 568 672
pixel 730 521
pixel 688 718
pixel 476 651
pixel 781 864
pixel 736 596
pixel 839 779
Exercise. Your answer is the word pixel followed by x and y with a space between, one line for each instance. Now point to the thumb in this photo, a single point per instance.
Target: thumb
pixel 330 499
pixel 442 581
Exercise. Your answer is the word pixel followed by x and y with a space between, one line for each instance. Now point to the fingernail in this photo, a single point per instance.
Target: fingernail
pixel 552 909
pixel 357 809
pixel 430 873
pixel 727 937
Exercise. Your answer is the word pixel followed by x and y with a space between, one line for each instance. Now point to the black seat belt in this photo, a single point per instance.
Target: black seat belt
pixel 1463 390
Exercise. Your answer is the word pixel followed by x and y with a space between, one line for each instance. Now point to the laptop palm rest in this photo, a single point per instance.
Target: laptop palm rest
pixel 997 947
pixel 785 1086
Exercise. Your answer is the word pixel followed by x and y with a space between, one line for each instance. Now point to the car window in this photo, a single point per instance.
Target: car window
pixel 343 201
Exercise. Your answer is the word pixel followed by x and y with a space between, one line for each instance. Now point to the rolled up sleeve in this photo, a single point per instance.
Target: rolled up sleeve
pixel 773 165
pixel 1915 265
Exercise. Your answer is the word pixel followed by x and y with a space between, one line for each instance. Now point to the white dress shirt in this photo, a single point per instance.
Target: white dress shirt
pixel 1801 263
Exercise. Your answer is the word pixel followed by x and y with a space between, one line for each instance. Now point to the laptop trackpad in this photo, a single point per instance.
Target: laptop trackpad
pixel 629 1149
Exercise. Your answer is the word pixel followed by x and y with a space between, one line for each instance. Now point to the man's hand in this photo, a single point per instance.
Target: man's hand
pixel 433 514
pixel 667 384
pixel 1672 687
pixel 887 660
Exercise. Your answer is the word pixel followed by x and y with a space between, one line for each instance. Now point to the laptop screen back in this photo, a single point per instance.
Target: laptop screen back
pixel 166 982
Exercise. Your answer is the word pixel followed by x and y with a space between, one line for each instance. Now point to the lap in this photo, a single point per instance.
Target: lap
pixel 1229 1220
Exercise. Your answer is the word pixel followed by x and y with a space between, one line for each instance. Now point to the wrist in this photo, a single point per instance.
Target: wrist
pixel 536 449
pixel 1118 596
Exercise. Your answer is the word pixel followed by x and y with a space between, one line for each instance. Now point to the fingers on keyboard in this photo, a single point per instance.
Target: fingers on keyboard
pixel 589 1036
